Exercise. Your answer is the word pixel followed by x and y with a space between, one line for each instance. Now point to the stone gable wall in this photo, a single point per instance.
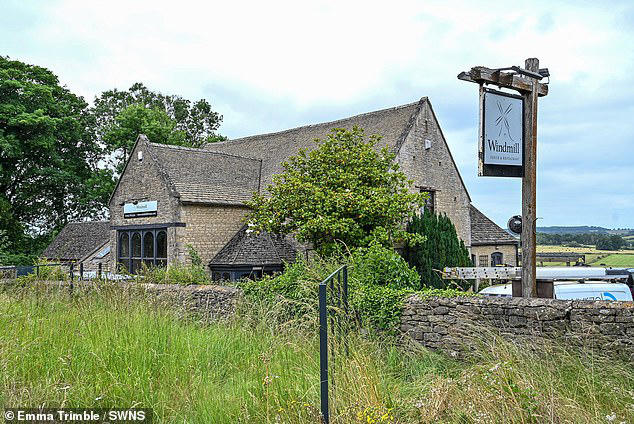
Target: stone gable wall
pixel 142 181
pixel 453 325
pixel 433 168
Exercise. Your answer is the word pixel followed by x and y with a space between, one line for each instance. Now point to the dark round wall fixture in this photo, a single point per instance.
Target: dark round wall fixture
pixel 515 224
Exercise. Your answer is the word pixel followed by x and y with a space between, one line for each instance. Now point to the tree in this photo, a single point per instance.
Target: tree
pixel 611 242
pixel 134 120
pixel 342 191
pixel 441 248
pixel 120 115
pixel 48 155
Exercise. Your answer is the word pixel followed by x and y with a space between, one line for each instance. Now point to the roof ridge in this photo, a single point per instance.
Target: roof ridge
pixel 199 150
pixel 320 124
pixel 277 253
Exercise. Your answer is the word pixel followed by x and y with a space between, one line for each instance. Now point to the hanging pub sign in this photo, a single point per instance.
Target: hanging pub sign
pixel 501 151
pixel 140 209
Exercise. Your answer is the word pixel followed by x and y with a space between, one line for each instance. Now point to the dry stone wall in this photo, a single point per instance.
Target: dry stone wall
pixel 207 302
pixel 455 325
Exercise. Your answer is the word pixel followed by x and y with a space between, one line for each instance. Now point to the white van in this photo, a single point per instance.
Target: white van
pixel 572 290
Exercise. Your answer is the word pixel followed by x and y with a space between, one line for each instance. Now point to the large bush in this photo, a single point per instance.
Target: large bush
pixel 344 191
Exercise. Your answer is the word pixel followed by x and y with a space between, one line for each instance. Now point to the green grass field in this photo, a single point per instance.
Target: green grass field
pixel 111 350
pixel 617 260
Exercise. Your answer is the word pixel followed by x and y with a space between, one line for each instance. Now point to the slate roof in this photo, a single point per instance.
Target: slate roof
pixel 252 249
pixel 203 176
pixel 485 232
pixel 392 124
pixel 77 240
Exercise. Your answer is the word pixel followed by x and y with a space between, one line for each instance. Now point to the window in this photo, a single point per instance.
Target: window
pixel 430 201
pixel 497 258
pixel 483 260
pixel 137 247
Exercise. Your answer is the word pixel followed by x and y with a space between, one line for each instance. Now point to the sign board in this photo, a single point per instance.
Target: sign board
pixel 502 134
pixel 140 209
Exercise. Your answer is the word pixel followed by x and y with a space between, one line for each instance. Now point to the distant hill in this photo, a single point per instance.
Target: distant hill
pixel 584 229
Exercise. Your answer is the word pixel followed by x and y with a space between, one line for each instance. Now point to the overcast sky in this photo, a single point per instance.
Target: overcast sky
pixel 268 66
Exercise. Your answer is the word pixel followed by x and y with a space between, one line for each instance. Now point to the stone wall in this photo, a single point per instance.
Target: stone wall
pixel 453 325
pixel 209 228
pixel 207 302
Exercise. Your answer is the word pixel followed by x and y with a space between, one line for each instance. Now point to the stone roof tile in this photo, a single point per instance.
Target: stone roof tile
pixel 391 124
pixel 485 231
pixel 203 176
pixel 251 249
pixel 77 240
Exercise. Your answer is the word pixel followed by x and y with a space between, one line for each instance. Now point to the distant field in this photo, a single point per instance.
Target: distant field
pixel 618 260
pixel 583 249
pixel 623 258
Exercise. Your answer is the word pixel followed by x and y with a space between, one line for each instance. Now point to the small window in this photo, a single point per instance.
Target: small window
pixel 430 201
pixel 483 260
pixel 497 258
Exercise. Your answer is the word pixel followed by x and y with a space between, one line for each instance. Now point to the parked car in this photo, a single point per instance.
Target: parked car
pixel 572 290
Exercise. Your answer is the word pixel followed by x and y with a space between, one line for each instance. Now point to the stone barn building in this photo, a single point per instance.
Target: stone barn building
pixel 82 243
pixel 170 199
pixel 490 244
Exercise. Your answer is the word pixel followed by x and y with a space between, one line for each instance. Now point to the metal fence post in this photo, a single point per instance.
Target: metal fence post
pixel 323 352
pixel 72 276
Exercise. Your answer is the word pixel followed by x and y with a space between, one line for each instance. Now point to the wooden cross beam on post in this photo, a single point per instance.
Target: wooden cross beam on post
pixel 527 81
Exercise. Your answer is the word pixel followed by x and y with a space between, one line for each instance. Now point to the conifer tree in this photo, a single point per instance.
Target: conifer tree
pixel 442 248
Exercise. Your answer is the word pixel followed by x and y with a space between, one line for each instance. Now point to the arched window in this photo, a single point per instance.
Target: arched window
pixel 124 245
pixel 497 258
pixel 148 248
pixel 136 252
pixel 161 247
pixel 124 252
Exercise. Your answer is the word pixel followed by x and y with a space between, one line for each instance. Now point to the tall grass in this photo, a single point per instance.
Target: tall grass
pixel 111 349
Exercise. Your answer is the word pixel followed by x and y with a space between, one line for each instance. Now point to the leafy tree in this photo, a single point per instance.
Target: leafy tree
pixel 137 119
pixel 441 248
pixel 48 155
pixel 612 242
pixel 342 191
pixel 121 115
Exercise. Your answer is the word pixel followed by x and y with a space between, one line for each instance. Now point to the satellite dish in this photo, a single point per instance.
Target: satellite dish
pixel 515 224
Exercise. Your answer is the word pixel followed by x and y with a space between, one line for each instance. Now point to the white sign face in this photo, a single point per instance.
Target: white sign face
pixel 502 130
pixel 139 209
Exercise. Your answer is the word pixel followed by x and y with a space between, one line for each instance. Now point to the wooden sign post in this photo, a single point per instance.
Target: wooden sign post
pixel 526 81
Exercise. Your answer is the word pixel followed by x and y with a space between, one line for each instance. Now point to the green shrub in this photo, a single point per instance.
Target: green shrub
pixel 380 266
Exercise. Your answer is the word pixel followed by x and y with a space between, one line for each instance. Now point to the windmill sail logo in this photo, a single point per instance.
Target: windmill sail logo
pixel 502 129
pixel 502 120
